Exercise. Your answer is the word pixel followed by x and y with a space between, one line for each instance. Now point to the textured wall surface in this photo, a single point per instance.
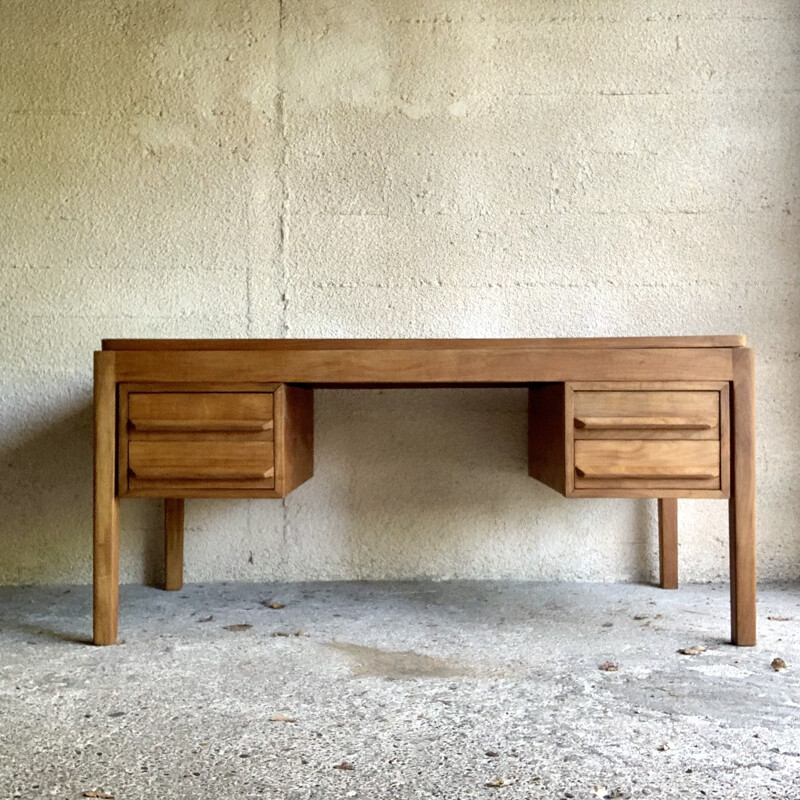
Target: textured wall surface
pixel 392 168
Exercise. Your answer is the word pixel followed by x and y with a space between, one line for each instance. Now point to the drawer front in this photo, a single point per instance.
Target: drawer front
pixel 200 463
pixel 647 415
pixel 627 464
pixel 199 411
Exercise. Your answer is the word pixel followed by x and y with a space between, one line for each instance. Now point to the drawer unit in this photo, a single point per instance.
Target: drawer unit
pixel 184 440
pixel 630 440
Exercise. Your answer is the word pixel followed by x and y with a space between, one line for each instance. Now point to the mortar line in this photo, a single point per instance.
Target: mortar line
pixel 248 288
pixel 282 179
pixel 281 277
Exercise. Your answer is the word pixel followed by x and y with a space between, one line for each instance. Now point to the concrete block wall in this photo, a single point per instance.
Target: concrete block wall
pixel 392 168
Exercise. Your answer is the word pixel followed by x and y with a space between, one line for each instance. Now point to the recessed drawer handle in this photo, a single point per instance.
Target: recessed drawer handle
pixel 646 473
pixel 644 423
pixel 201 424
pixel 201 473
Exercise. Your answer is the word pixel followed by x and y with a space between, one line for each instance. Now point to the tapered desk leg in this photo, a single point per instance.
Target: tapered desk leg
pixel 742 505
pixel 173 544
pixel 106 502
pixel 668 542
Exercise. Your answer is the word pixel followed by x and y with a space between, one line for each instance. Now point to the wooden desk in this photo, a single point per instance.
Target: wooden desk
pixel 635 417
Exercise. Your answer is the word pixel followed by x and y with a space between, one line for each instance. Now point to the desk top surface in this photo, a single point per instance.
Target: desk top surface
pixel 620 342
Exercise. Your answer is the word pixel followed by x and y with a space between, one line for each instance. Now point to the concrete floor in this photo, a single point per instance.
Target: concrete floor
pixel 425 689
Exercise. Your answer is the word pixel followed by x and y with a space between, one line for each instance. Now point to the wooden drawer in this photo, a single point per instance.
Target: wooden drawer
pixel 630 463
pixel 201 463
pixel 185 440
pixel 200 411
pixel 646 414
pixel 631 440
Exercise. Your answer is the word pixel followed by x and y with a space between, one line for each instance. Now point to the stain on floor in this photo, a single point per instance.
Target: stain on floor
pixel 373 662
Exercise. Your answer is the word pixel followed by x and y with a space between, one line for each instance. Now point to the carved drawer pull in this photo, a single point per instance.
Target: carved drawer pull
pixel 645 473
pixel 644 423
pixel 201 425
pixel 199 472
